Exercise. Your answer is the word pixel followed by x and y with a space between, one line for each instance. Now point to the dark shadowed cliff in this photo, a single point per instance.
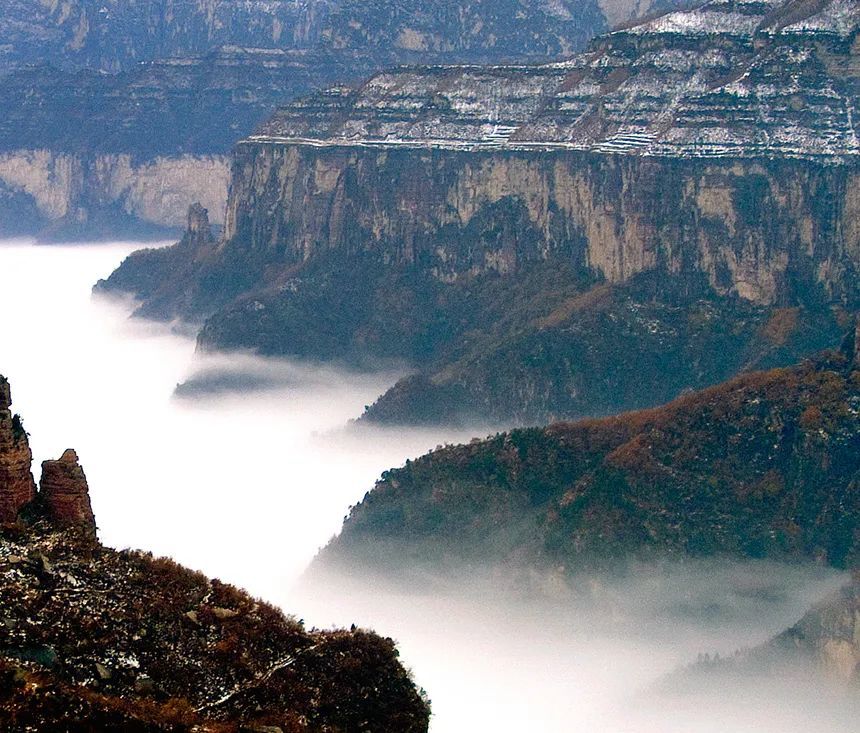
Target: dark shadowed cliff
pixel 96 639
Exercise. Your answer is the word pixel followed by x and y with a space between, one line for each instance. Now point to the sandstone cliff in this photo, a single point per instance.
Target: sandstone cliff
pixel 131 148
pixel 756 229
pixel 77 196
pixel 63 499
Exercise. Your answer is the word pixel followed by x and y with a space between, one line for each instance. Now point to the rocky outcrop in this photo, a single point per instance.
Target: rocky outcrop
pixel 198 232
pixel 63 499
pixel 64 493
pixel 96 639
pixel 17 488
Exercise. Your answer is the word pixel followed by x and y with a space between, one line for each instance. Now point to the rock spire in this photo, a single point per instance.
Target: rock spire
pixel 63 498
pixel 17 488
pixel 64 493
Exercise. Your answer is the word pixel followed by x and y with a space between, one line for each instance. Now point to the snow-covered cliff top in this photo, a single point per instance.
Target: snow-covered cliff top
pixel 730 78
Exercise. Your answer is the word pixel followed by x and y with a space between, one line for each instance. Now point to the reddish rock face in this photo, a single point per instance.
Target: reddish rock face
pixel 17 487
pixel 65 493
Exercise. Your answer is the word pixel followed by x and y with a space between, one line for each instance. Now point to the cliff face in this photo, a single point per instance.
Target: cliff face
pixel 762 466
pixel 92 638
pixel 75 195
pixel 17 488
pixel 615 216
pixel 187 79
pixel 124 155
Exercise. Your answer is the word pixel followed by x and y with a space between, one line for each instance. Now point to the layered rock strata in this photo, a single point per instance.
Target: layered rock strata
pixel 141 101
pixel 64 493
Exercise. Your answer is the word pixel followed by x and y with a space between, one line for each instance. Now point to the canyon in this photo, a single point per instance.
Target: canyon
pixel 687 186
pixel 275 430
pixel 648 248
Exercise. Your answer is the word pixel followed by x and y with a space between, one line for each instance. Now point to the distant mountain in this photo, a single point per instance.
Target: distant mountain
pixel 764 466
pixel 119 114
pixel 96 639
pixel 117 34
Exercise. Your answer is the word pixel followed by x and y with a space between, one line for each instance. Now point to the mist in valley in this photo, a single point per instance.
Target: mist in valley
pixel 243 468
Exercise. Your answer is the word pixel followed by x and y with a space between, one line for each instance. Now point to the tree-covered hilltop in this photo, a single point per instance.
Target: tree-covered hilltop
pixel 766 465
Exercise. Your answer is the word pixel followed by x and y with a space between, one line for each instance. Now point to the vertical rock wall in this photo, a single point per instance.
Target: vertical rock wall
pixel 71 187
pixel 764 230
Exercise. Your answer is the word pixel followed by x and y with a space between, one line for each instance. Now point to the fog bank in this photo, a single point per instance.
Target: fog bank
pixel 245 485
pixel 250 468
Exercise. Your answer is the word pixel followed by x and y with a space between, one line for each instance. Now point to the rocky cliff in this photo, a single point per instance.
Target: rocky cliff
pixel 95 639
pixel 765 465
pixel 72 196
pixel 125 95
pixel 63 497
pixel 505 227
pixel 118 155
pixel 64 493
